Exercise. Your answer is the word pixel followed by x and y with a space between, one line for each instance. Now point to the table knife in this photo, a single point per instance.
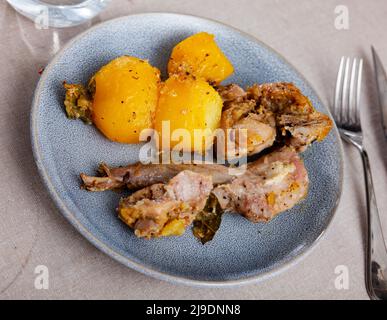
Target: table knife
pixel 381 86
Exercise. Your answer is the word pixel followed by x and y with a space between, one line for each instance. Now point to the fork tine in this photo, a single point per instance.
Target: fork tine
pixel 351 115
pixel 345 93
pixel 358 90
pixel 338 92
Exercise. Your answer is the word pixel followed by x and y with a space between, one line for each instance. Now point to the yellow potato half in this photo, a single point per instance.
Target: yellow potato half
pixel 190 104
pixel 125 99
pixel 200 56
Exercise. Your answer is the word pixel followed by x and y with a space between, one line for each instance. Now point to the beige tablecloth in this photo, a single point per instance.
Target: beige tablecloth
pixel 32 231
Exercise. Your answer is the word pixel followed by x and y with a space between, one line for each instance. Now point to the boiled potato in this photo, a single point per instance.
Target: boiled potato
pixel 190 104
pixel 200 56
pixel 125 98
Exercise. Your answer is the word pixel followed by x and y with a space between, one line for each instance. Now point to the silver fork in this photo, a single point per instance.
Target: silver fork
pixel 347 116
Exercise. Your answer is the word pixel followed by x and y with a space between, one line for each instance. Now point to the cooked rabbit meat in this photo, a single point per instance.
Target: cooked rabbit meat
pixel 294 112
pixel 166 209
pixel 235 111
pixel 232 92
pixel 272 184
pixel 259 134
pixel 239 113
pixel 304 129
pixel 138 175
pixel 280 98
pixel 281 108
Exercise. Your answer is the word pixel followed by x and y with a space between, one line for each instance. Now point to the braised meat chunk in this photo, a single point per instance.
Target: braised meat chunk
pixel 166 209
pixel 138 175
pixel 172 197
pixel 294 113
pixel 272 184
pixel 239 112
pixel 280 98
pixel 305 129
pixel 272 112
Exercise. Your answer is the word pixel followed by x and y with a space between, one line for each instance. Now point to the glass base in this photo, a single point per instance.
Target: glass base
pixel 59 13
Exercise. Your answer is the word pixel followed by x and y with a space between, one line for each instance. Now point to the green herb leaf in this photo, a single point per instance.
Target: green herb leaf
pixel 208 221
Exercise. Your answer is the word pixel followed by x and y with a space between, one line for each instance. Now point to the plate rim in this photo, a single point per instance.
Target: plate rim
pixel 108 250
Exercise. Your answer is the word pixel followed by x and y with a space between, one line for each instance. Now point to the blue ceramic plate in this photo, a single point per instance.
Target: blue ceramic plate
pixel 241 251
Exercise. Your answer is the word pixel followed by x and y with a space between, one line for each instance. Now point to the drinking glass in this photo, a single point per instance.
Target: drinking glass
pixel 59 13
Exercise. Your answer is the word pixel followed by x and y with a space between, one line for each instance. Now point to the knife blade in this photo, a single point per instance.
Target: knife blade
pixel 381 86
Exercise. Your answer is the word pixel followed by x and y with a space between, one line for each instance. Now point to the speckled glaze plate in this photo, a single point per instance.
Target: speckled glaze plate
pixel 241 251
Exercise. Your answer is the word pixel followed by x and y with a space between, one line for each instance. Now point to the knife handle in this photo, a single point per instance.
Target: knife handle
pixel 376 255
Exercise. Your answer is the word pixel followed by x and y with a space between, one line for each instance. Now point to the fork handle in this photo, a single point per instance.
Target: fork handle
pixel 376 255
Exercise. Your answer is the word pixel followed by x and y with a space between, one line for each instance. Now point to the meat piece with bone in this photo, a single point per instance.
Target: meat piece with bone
pixel 295 114
pixel 166 209
pixel 280 98
pixel 239 116
pixel 138 175
pixel 271 184
pixel 282 111
pixel 304 129
pixel 274 183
